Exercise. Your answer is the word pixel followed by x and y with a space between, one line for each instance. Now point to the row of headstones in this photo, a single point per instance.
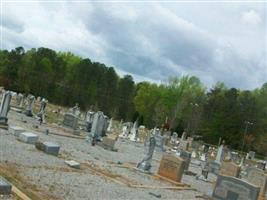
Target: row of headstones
pixel 22 100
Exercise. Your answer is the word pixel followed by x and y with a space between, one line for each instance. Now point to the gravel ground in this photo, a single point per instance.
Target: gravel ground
pixel 49 172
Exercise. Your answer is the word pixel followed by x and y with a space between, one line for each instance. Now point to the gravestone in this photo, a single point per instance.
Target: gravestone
pixel 230 169
pixel 186 156
pixel 190 141
pixel 75 110
pixel 183 145
pixel 145 164
pixel 51 148
pixel 257 177
pixel 41 113
pixel 159 140
pixel 5 187
pixel 98 126
pixel 30 102
pixel 261 164
pixel 15 130
pixel 4 108
pixel 184 136
pixel 108 143
pixel 251 155
pixel 109 129
pixel 213 167
pixel 48 147
pixel 89 120
pixel 220 154
pixel 70 120
pixel 231 188
pixel 174 138
pixel 171 167
pixel 134 132
pixel 28 137
pixel 19 100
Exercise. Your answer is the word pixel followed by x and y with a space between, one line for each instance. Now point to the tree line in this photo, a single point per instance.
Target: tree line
pixel 181 104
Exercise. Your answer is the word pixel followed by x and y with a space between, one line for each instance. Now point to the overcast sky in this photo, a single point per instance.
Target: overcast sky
pixel 150 40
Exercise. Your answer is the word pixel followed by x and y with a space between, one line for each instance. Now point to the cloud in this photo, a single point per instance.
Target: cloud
pixel 150 41
pixel 251 17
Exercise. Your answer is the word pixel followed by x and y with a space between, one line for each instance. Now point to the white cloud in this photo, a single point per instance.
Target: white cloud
pixel 251 17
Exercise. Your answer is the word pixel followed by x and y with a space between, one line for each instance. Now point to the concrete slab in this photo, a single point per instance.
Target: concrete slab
pixel 51 148
pixel 15 130
pixel 28 137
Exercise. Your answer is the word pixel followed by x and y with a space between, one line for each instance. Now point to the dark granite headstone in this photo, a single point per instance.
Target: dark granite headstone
pixel 230 188
pixel 186 156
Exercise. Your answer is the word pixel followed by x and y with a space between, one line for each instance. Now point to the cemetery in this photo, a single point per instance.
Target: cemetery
pixel 89 156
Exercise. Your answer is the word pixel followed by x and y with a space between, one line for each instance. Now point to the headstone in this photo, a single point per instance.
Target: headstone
pixel 261 164
pixel 4 107
pixel 220 154
pixel 89 120
pixel 108 143
pixel 186 156
pixel 194 154
pixel 183 145
pixel 213 167
pixel 98 126
pixel 203 157
pixel 73 164
pixel 70 120
pixel 28 137
pixel 190 141
pixel 145 164
pixel 134 132
pixel 230 169
pixel 174 138
pixel 75 110
pixel 257 177
pixel 41 113
pixel 109 129
pixel 231 188
pixel 251 155
pixel 19 100
pixel 30 101
pixel 184 136
pixel 15 130
pixel 171 167
pixel 159 140
pixel 51 148
pixel 5 187
pixel 48 147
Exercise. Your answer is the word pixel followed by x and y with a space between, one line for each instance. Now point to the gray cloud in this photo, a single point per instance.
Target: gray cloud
pixel 152 41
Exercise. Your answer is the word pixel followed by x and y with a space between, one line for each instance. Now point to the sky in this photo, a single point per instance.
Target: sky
pixel 151 40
